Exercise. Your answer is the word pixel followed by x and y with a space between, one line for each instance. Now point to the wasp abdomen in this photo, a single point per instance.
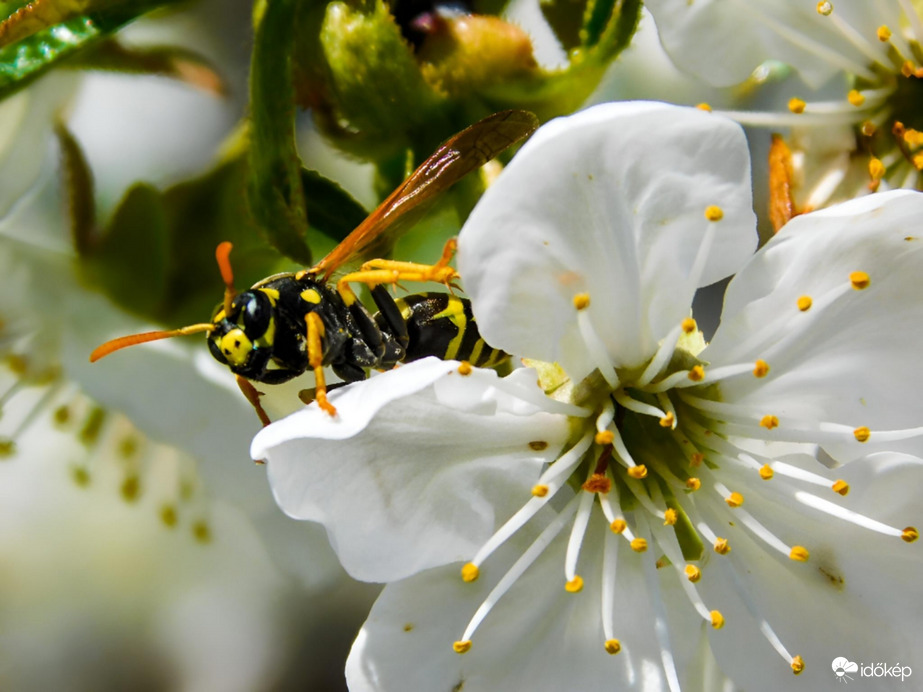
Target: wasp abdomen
pixel 442 325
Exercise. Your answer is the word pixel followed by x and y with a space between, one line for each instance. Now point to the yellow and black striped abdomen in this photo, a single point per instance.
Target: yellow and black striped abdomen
pixel 441 325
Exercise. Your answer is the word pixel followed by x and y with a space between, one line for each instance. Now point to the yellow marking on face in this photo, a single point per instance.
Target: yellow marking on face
pixel 311 295
pixel 272 294
pixel 455 313
pixel 236 347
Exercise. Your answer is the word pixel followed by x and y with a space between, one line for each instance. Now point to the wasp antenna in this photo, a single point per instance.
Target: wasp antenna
pixel 223 255
pixel 135 339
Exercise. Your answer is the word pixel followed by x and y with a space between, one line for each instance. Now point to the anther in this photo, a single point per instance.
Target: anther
pixel 638 472
pixel 574 585
pixel 717 619
pixel 714 213
pixel 855 97
pixel 797 665
pixel 693 483
pixel 704 107
pixel 825 8
pixel 799 553
pixel 604 437
pixel 667 420
pixel 697 373
pixel 859 280
pixel 769 422
pixel 910 534
pixel 841 487
pixel 696 460
pixel 907 69
pixel 670 517
pixel 862 433
pixel 539 490
pixel 639 545
pixel 462 647
pixel 688 325
pixel 131 488
pixel 796 106
pixel 693 573
pixel 868 128
pixel 582 301
pixel 613 646
pixel 168 515
pixel 761 368
pixel 470 572
pixel 766 472
pixel 464 368
pixel 804 303
pixel 884 33
pixel 877 169
pixel 201 531
pixel 734 500
pixel 721 546
pixel 618 525
pixel 598 483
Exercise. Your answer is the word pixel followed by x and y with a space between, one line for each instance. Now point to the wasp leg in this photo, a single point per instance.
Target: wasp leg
pixel 253 396
pixel 392 324
pixel 381 271
pixel 315 360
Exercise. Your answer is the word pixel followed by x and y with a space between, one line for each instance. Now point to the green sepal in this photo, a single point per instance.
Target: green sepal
pixel 79 188
pixel 30 57
pixel 274 191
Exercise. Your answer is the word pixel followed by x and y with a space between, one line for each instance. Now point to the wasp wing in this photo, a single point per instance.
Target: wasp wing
pixel 459 155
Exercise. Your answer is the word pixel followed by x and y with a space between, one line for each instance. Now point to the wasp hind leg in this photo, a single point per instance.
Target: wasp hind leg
pixel 315 360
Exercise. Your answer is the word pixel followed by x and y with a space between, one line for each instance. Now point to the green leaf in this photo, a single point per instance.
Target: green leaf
pixel 332 211
pixel 79 187
pixel 30 57
pixel 275 192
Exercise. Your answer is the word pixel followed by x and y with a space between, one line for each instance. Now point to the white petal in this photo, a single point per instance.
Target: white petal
pixel 853 361
pixel 418 466
pixel 610 202
pixel 723 41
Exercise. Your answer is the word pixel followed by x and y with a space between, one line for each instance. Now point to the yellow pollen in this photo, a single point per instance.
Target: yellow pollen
pixel 769 422
pixel 797 665
pixel 693 483
pixel 734 500
pixel 714 213
pixel 841 487
pixel 855 97
pixel 877 169
pixel 638 472
pixel 688 325
pixel 766 472
pixel 918 161
pixel 598 483
pixel 604 437
pixel 913 137
pixel 582 301
pixel 884 33
pixel 697 374
pixel 639 545
pixel 470 572
pixel 721 546
pixel 693 573
pixel 761 368
pixel 907 69
pixel 804 303
pixel 613 646
pixel 796 106
pixel 462 647
pixel 717 619
pixel 618 525
pixel 825 7
pixel 464 368
pixel 574 585
pixel 868 128
pixel 704 107
pixel 696 459
pixel 910 534
pixel 670 517
pixel 667 420
pixel 539 490
pixel 862 433
pixel 799 553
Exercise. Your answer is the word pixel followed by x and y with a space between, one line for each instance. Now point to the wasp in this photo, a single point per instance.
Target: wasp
pixel 289 323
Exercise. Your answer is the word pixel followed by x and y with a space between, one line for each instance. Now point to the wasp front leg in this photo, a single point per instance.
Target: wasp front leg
pixel 315 360
pixel 253 396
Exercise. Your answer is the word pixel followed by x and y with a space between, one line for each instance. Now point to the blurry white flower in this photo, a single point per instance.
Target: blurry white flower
pixel 877 121
pixel 659 489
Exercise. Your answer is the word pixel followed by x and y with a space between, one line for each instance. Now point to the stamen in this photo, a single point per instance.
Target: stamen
pixel 577 533
pixel 637 406
pixel 871 51
pixel 595 346
pixel 610 563
pixel 525 560
pixel 660 626
pixel 835 510
pixel 661 358
pixel 667 404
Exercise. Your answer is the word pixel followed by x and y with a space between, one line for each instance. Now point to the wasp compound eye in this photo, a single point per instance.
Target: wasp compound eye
pixel 255 313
